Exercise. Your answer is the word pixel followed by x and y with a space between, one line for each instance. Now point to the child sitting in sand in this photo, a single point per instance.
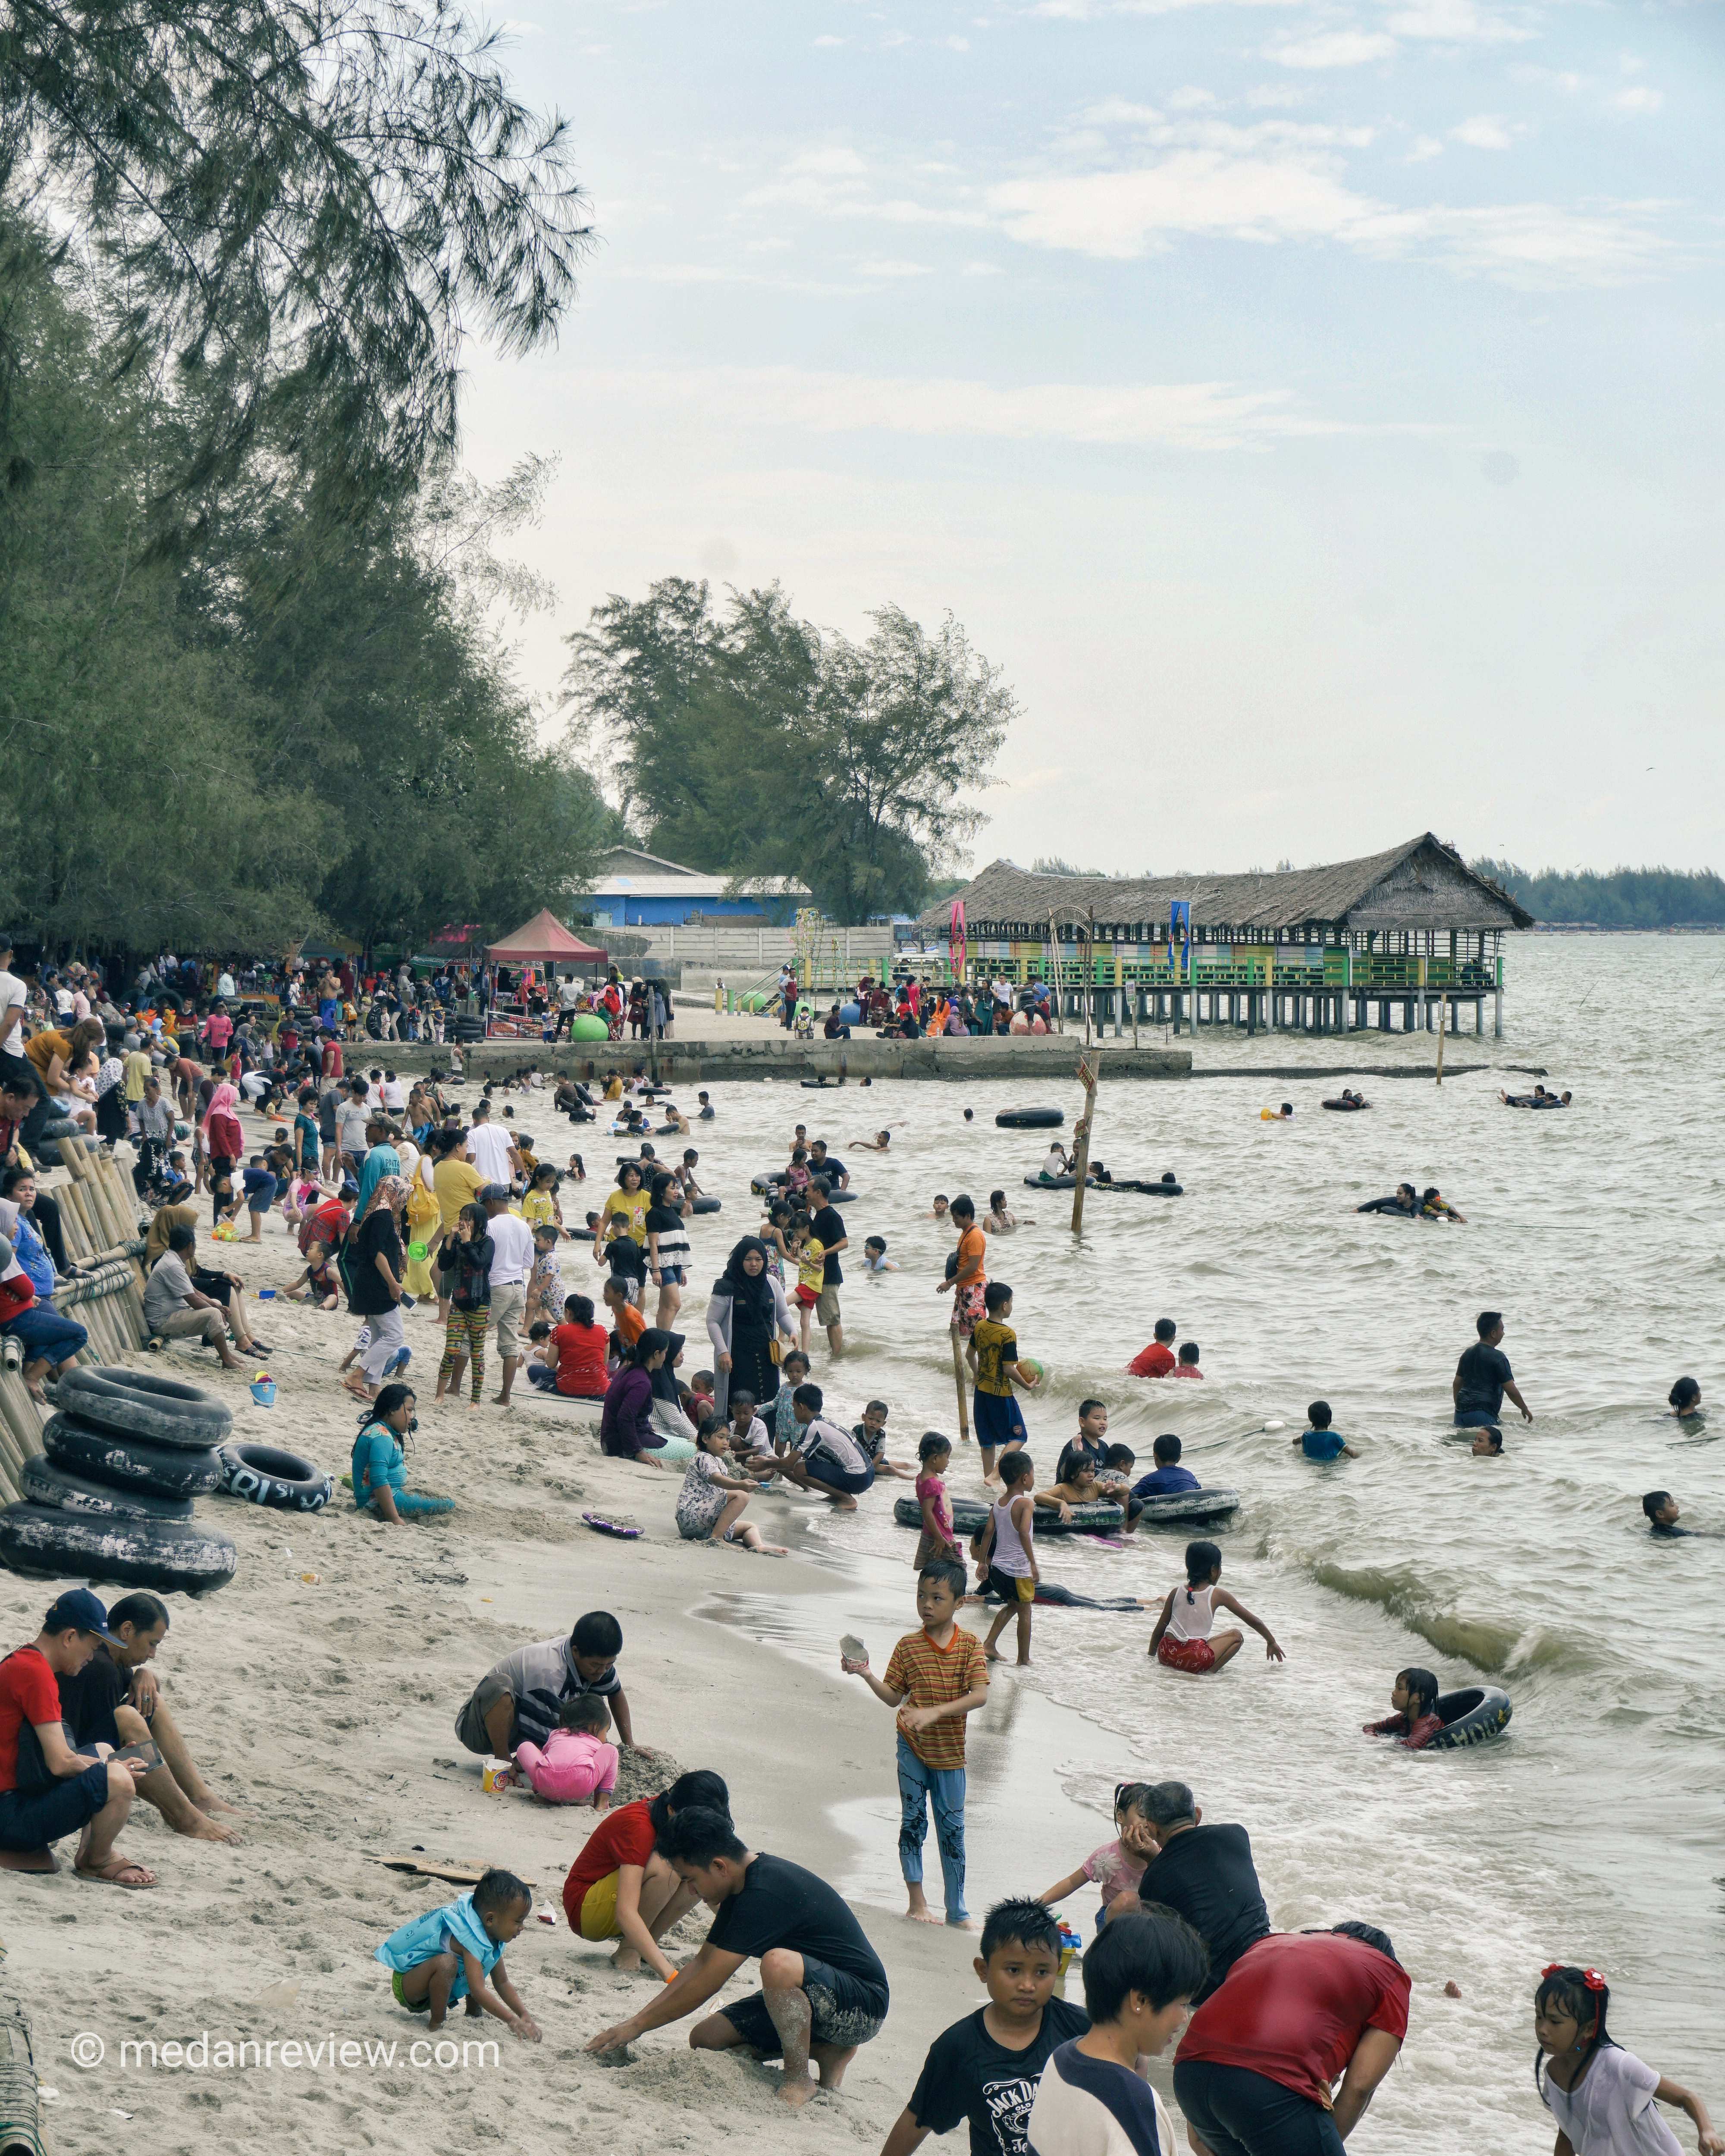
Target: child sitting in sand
pixel 1182 1638
pixel 871 1434
pixel 576 1763
pixel 446 1955
pixel 710 1505
pixel 1117 1866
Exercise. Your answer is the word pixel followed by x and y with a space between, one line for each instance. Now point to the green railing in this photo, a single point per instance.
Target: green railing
pixel 1260 968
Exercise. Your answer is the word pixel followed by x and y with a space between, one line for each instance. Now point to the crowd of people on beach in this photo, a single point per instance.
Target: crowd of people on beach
pixel 399 1195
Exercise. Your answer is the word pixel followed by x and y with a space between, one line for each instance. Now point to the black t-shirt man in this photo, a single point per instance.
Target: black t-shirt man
pixel 834 1171
pixel 1206 1875
pixel 967 2075
pixel 781 1905
pixel 827 1227
pixel 89 1699
pixel 1484 1373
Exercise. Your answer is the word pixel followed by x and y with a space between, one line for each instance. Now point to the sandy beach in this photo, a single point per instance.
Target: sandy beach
pixel 326 1710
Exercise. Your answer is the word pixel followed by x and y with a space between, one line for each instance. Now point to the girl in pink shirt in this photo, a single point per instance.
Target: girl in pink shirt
pixel 576 1763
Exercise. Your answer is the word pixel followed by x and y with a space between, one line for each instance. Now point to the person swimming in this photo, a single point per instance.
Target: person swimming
pixel 1406 1202
pixel 1663 1513
pixel 1348 1102
pixel 1285 1114
pixel 1684 1400
pixel 1436 1206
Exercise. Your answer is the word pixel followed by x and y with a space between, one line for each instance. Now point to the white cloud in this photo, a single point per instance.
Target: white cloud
pixel 876 266
pixel 821 43
pixel 1194 416
pixel 1640 99
pixel 1458 22
pixel 1275 95
pixel 1190 100
pixel 1333 48
pixel 1427 147
pixel 1484 132
pixel 1271 197
pixel 957 44
pixel 982 270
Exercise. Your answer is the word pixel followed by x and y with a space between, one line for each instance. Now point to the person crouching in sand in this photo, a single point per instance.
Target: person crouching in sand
pixel 1182 1638
pixel 446 1955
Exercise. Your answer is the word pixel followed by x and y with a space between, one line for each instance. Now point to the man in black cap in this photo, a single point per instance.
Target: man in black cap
pixel 47 1790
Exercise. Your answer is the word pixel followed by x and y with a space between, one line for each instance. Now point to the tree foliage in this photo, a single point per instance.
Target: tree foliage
pixel 305 203
pixel 749 742
pixel 304 725
pixel 1621 898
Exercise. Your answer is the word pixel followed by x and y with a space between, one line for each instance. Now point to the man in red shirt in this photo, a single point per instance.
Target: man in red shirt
pixel 329 1060
pixel 1157 1359
pixel 1255 2068
pixel 62 1790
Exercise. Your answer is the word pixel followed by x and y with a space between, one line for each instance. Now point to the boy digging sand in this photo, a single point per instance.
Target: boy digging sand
pixel 935 1678
pixel 447 1953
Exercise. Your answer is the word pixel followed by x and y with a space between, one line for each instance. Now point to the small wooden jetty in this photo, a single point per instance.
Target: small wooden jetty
pixel 1385 943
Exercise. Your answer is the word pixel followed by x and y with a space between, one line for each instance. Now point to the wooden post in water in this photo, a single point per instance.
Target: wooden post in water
pixel 1443 1014
pixel 1081 1154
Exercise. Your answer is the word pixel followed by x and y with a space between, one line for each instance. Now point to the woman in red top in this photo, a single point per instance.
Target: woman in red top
pixel 575 1354
pixel 1415 1720
pixel 224 1143
pixel 620 1888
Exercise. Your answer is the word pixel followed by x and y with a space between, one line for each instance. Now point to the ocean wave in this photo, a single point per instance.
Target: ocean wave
pixel 1495 1649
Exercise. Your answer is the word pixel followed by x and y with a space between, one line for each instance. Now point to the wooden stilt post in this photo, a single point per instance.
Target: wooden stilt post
pixel 1080 1151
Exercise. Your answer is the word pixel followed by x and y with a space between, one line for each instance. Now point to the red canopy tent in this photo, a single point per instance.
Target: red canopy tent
pixel 544 941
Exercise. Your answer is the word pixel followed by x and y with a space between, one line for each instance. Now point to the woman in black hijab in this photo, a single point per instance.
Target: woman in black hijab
pixel 747 1314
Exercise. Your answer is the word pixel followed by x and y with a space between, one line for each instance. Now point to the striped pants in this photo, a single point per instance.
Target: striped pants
pixel 465 1338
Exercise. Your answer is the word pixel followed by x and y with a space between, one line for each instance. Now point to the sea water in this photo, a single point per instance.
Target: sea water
pixel 1591 1832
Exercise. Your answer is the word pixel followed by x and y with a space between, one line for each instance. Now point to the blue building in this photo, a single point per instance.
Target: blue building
pixel 632 888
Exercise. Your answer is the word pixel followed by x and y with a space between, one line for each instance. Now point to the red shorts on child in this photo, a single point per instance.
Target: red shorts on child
pixel 807 1296
pixel 1195 1655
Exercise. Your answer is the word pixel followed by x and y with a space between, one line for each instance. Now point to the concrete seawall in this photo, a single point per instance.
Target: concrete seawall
pixel 776 1055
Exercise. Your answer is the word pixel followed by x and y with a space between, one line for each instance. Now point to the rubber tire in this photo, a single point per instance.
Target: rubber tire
pixel 263 1474
pixel 706 1205
pixel 42 1483
pixel 162 1469
pixel 134 1403
pixel 1488 1718
pixel 173 1557
pixel 1029 1119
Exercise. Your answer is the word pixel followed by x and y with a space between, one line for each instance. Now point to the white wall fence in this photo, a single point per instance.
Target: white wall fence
pixel 747 951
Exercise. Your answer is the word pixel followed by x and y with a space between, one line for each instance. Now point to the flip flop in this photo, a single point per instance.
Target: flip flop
pixel 601 1526
pixel 109 1874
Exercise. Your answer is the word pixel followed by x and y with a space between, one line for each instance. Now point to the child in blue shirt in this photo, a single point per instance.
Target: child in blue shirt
pixel 1168 1475
pixel 1321 1442
pixel 447 1954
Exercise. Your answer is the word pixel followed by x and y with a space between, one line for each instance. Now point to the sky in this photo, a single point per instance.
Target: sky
pixel 1313 406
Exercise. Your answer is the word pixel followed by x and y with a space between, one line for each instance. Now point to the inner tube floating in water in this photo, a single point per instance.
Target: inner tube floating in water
pixel 705 1205
pixel 1029 1119
pixel 967 1516
pixel 1473 1716
pixel 173 1557
pixel 1344 1107
pixel 1183 1508
pixel 280 1481
pixel 1163 1189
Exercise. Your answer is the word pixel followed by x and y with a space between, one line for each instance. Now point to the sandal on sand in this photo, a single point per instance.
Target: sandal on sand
pixel 114 1872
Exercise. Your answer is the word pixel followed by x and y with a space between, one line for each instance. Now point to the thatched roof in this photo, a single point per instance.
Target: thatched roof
pixel 1424 884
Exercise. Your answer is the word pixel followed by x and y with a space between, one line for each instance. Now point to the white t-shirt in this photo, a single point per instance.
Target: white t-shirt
pixel 511 1249
pixel 1088 2106
pixel 1610 2111
pixel 569 993
pixel 395 1094
pixel 13 996
pixel 488 1147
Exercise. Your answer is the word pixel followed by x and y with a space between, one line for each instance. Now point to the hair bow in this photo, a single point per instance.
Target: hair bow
pixel 1590 1977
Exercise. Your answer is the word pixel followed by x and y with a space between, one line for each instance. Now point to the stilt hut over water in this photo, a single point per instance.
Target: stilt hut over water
pixel 1381 941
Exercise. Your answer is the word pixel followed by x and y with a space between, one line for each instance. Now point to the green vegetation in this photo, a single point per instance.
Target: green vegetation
pixel 749 743
pixel 294 725
pixel 1623 898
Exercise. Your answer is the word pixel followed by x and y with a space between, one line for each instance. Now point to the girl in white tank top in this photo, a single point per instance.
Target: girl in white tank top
pixel 1193 1613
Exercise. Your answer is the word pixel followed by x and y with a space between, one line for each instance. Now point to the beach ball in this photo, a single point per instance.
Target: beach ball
pixel 589 1028
pixel 1030 1362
